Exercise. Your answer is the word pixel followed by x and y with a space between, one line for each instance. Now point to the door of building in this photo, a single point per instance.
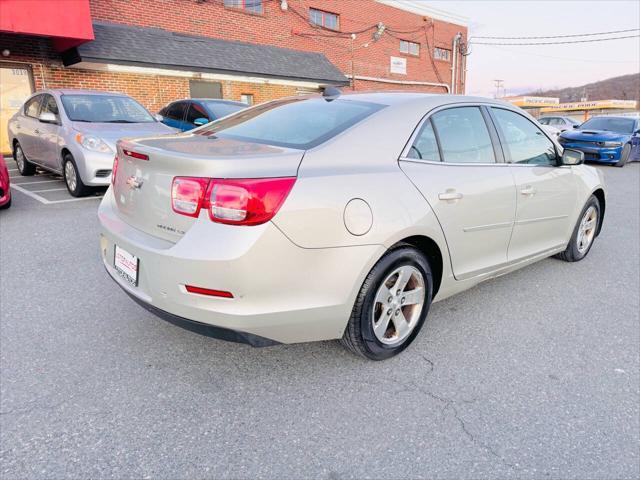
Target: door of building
pixel 16 85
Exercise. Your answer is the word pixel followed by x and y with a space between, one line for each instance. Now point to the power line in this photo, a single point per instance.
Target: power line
pixel 554 43
pixel 561 36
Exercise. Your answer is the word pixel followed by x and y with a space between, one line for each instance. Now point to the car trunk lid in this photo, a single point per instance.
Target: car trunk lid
pixel 142 187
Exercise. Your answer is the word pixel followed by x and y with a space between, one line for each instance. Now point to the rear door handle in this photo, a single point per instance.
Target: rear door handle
pixel 528 190
pixel 450 196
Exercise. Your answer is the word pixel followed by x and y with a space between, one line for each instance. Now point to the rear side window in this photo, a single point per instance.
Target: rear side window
pixel 525 142
pixel 425 146
pixel 300 123
pixel 32 107
pixel 463 135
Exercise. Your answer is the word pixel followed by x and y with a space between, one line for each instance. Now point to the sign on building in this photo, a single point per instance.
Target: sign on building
pixel 398 65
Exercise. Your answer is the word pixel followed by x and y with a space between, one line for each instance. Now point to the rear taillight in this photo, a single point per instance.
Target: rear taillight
pixel 114 170
pixel 232 201
pixel 187 195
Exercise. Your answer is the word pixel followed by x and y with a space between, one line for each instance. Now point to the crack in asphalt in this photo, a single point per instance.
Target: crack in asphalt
pixel 449 403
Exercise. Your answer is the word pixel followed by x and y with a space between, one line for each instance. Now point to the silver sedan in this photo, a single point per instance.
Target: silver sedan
pixel 341 216
pixel 74 132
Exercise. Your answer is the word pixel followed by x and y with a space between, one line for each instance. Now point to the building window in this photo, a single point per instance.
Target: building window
pixel 324 19
pixel 253 6
pixel 247 98
pixel 442 54
pixel 410 48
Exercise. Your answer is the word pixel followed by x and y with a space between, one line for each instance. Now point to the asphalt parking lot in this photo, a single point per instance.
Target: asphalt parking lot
pixel 535 374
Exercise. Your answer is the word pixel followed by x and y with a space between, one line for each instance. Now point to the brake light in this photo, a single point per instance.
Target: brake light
pixel 139 156
pixel 114 170
pixel 187 195
pixel 250 201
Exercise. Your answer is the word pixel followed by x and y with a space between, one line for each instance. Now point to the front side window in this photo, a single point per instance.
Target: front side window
pixel 410 48
pixel 442 54
pixel 104 109
pixel 32 107
pixel 525 142
pixel 324 19
pixel 253 6
pixel 300 123
pixel 177 111
pixel 463 135
pixel 49 105
pixel 195 112
pixel 425 146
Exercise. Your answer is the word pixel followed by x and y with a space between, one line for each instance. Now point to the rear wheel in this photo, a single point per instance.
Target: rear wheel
pixel 584 232
pixel 72 178
pixel 392 305
pixel 624 157
pixel 25 167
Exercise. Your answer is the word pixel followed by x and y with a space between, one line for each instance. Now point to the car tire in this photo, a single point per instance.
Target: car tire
pixel 364 333
pixel 25 167
pixel 624 156
pixel 72 177
pixel 583 236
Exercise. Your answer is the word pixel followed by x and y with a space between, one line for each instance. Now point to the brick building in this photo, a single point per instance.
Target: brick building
pixel 252 50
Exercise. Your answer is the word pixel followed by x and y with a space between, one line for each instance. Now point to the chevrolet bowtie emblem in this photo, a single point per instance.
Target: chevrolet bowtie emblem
pixel 134 182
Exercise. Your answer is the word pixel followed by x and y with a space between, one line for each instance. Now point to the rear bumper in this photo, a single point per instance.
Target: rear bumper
pixel 282 293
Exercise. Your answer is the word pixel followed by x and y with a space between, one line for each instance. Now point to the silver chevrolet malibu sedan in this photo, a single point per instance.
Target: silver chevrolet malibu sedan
pixel 340 216
pixel 74 132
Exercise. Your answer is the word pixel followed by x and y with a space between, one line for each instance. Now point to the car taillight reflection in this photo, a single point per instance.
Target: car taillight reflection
pixel 250 201
pixel 114 170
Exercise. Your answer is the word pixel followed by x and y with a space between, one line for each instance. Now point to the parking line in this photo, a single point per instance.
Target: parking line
pixel 48 190
pixel 39 181
pixel 41 199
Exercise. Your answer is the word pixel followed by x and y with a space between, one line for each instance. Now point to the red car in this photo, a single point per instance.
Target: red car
pixel 5 188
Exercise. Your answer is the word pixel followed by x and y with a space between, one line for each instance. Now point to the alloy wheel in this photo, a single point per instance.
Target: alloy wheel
pixel 587 229
pixel 70 176
pixel 398 304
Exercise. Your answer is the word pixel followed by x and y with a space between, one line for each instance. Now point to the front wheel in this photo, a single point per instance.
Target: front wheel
pixel 624 156
pixel 392 305
pixel 72 178
pixel 584 232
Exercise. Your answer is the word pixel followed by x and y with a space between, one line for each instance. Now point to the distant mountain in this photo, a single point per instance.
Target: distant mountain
pixel 626 87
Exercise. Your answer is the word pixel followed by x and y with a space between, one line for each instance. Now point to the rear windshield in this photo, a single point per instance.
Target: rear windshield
pixel 220 109
pixel 300 123
pixel 620 125
pixel 105 109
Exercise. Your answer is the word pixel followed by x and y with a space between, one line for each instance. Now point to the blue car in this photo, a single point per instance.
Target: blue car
pixel 187 114
pixel 612 140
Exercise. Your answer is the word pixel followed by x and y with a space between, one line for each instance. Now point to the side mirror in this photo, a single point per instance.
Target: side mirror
pixel 576 126
pixel 572 157
pixel 200 121
pixel 48 117
pixel 158 117
pixel 637 132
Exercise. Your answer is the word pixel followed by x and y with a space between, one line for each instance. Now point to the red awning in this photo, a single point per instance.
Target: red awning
pixel 67 22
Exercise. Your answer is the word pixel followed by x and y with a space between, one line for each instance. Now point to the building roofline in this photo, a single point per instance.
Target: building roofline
pixel 418 7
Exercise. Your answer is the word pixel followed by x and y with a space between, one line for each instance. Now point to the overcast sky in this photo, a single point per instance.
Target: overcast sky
pixel 526 68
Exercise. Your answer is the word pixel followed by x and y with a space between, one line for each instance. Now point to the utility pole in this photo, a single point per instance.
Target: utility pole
pixel 498 84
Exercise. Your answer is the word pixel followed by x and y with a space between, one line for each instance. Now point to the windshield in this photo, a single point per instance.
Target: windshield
pixel 300 123
pixel 621 125
pixel 220 110
pixel 105 109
